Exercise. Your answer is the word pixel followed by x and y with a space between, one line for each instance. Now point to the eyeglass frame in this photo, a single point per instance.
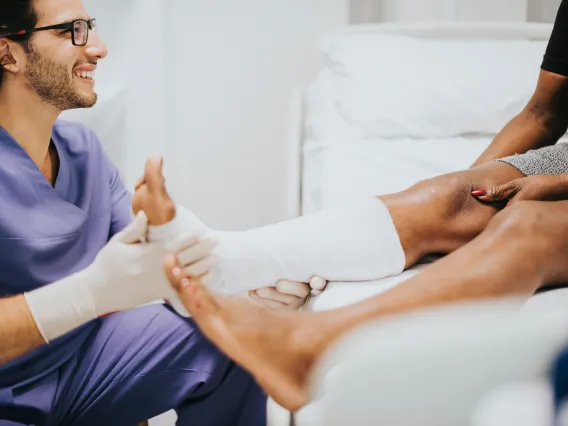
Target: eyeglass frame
pixel 70 26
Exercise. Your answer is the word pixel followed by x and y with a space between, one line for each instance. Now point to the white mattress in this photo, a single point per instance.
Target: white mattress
pixel 335 172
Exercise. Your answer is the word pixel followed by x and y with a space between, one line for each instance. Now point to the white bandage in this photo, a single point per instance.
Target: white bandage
pixel 184 221
pixel 354 243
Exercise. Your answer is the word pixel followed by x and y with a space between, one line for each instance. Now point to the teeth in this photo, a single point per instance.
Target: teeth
pixel 85 74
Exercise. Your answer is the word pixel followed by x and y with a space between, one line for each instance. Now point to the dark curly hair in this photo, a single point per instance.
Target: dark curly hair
pixel 18 15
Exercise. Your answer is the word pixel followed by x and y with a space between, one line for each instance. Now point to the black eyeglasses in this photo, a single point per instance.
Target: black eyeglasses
pixel 79 29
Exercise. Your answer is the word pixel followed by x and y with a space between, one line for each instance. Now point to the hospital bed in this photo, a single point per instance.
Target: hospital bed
pixel 396 103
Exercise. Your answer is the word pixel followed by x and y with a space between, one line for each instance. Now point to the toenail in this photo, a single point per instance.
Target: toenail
pixel 185 283
pixel 176 272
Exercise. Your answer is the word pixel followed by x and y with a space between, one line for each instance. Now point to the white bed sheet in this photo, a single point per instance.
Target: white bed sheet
pixel 338 172
pixel 339 294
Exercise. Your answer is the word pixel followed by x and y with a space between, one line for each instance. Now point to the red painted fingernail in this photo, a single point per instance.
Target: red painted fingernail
pixel 479 193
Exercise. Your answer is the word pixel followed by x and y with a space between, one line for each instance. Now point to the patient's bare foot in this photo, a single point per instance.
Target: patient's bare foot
pixel 151 195
pixel 278 348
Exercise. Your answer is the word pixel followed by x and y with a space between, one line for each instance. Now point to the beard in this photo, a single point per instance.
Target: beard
pixel 54 85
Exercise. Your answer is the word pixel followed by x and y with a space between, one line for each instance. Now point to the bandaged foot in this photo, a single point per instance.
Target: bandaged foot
pixel 357 243
pixel 354 243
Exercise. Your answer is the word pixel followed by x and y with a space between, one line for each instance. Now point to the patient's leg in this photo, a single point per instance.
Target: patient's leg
pixel 523 248
pixel 439 215
pixel 372 239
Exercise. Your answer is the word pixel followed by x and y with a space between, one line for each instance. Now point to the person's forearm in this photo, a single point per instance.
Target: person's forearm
pixel 18 331
pixel 524 132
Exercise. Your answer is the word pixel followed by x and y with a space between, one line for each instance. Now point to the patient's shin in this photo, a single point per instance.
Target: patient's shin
pixel 352 243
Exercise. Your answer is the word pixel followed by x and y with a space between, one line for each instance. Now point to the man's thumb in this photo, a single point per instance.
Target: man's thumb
pixel 136 231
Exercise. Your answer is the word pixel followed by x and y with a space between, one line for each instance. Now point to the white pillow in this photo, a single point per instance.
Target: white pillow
pixel 395 86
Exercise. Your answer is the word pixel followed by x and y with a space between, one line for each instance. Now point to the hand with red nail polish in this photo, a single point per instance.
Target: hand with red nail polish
pixel 531 188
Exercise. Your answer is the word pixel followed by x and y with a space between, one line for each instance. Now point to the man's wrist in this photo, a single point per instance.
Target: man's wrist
pixel 60 307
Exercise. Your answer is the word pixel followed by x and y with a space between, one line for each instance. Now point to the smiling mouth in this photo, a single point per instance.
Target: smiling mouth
pixel 90 75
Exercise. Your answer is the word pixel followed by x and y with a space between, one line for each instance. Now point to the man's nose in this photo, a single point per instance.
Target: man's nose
pixel 96 47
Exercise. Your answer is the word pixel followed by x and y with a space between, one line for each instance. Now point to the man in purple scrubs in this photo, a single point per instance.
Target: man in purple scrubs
pixel 63 359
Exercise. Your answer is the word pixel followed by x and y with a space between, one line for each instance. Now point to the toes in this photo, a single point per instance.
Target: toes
pixel 173 271
pixel 139 183
pixel 194 296
pixel 157 203
pixel 179 280
pixel 154 176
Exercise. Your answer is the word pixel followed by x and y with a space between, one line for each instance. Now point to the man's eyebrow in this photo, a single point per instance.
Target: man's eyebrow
pixel 68 21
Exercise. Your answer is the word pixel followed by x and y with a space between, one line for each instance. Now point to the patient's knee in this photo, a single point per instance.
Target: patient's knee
pixel 527 220
pixel 448 195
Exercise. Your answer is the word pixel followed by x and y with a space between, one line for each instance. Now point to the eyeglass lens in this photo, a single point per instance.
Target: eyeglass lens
pixel 81 32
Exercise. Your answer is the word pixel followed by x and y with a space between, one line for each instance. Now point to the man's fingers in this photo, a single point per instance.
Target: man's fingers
pixel 294 288
pixel 270 293
pixel 202 267
pixel 181 242
pixel 196 252
pixel 271 304
pixel 318 283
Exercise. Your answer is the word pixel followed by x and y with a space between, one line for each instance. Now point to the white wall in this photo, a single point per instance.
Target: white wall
pixel 543 10
pixel 208 86
pixel 468 10
pixel 229 77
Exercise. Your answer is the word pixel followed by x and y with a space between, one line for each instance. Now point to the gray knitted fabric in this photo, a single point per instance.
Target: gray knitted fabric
pixel 550 160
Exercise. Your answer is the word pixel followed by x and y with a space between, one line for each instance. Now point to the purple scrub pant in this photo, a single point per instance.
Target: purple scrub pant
pixel 136 365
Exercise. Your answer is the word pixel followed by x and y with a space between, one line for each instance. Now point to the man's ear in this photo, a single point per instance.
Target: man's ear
pixel 7 61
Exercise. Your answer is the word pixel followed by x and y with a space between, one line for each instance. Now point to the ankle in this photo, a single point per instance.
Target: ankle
pixel 312 334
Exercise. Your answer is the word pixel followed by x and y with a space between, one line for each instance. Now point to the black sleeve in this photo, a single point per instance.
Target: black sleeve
pixel 556 56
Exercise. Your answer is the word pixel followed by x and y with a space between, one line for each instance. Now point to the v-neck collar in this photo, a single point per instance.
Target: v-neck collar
pixel 10 148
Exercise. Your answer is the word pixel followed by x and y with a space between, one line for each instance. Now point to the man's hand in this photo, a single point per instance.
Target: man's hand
pixel 288 295
pixel 125 274
pixel 531 188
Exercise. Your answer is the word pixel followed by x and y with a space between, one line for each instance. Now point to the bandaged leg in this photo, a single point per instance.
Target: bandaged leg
pixel 354 243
